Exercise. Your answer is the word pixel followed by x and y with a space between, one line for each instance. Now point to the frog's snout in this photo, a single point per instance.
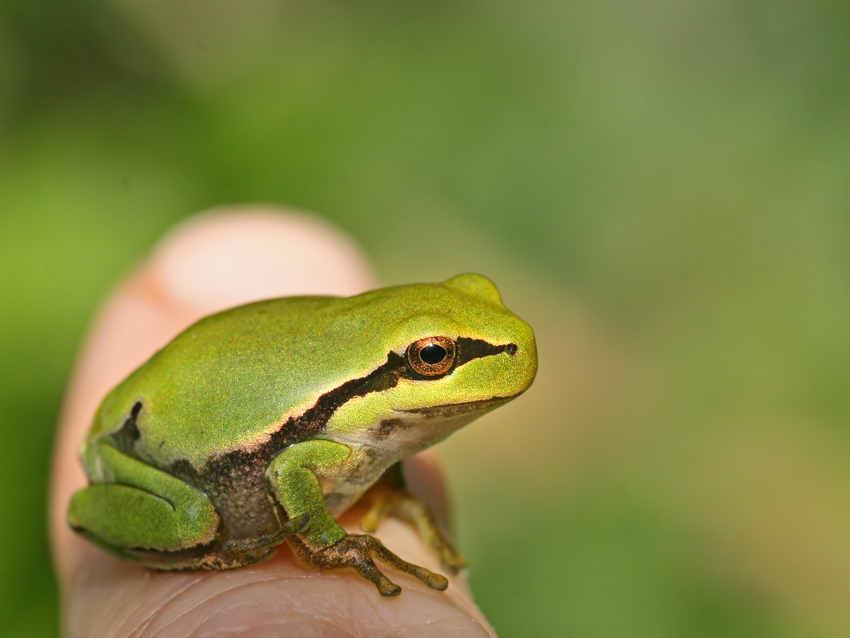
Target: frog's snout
pixel 523 352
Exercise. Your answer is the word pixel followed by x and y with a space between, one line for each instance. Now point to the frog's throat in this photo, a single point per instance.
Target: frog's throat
pixel 456 409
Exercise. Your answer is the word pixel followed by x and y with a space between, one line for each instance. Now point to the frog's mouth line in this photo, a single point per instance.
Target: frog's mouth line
pixel 456 409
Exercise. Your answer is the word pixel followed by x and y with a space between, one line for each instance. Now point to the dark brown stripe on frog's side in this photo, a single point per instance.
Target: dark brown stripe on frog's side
pixel 385 377
pixel 312 422
pixel 469 349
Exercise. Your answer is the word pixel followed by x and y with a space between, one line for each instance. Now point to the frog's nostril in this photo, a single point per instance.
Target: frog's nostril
pixel 511 349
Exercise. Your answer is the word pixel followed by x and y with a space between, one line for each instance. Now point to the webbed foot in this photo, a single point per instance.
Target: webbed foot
pixel 388 497
pixel 358 552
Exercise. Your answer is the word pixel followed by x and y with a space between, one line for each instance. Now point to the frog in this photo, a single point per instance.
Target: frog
pixel 260 425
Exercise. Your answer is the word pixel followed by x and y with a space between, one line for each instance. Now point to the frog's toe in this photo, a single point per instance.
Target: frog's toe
pixel 452 562
pixel 379 551
pixel 358 552
pixel 389 496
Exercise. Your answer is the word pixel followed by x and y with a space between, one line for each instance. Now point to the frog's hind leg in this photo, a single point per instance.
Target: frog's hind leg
pixel 142 513
pixel 390 496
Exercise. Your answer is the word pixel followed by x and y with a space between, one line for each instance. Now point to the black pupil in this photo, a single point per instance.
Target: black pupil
pixel 432 354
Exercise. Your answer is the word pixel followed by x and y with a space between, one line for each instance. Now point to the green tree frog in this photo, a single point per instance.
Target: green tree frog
pixel 258 425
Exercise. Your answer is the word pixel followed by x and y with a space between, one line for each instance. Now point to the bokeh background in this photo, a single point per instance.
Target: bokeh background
pixel 662 188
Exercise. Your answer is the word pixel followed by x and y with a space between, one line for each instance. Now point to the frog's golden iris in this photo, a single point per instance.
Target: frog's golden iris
pixel 432 356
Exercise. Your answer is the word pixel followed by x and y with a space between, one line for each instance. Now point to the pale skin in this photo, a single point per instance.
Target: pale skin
pixel 198 270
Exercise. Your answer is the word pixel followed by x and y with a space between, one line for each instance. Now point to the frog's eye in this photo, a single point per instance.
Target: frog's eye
pixel 432 356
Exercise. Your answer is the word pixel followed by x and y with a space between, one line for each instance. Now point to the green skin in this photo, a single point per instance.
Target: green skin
pixel 260 424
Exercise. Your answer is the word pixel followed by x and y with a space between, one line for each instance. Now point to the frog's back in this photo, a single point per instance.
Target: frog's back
pixel 229 380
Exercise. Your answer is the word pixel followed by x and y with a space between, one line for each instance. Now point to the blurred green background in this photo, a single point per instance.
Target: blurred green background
pixel 661 188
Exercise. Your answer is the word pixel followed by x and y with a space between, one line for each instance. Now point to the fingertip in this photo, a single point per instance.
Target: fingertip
pixel 230 256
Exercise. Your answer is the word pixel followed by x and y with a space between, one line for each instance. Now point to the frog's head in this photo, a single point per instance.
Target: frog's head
pixel 448 352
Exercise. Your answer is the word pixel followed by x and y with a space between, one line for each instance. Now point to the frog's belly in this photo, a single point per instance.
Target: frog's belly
pixel 246 507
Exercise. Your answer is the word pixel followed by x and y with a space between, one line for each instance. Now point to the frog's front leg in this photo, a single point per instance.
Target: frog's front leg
pixel 325 546
pixel 133 506
pixel 390 496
